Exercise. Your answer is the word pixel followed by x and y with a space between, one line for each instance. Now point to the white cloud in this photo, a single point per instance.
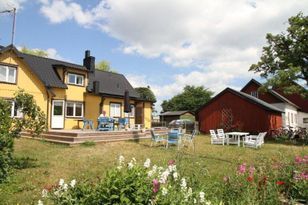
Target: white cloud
pixel 10 4
pixel 51 52
pixel 219 39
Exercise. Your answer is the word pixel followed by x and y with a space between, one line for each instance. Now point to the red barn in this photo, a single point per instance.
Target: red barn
pixel 234 110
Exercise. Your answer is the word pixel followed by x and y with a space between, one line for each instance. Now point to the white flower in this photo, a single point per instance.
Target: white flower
pixel 208 203
pixel 61 182
pixel 172 168
pixel 40 202
pixel 195 201
pixel 130 165
pixel 65 187
pixel 175 176
pixel 134 159
pixel 164 176
pixel 201 194
pixel 147 163
pixel 188 194
pixel 44 193
pixel 183 184
pixel 73 183
pixel 164 191
pixel 121 159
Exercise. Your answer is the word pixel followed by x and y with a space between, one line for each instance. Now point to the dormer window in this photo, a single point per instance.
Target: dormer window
pixel 254 94
pixel 75 79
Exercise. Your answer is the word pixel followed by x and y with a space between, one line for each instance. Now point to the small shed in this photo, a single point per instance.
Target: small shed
pixel 237 111
pixel 176 115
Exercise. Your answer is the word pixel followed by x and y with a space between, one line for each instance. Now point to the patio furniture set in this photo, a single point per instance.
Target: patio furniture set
pixel 174 137
pixel 109 124
pixel 254 141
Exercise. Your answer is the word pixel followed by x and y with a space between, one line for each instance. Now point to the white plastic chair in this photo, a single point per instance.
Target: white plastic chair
pixel 190 139
pixel 215 139
pixel 254 141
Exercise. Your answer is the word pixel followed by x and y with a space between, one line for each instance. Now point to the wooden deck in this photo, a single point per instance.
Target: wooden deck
pixel 74 137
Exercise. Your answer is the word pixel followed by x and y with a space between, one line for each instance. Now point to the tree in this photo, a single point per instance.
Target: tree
pixel 284 60
pixel 190 99
pixel 104 66
pixel 146 94
pixel 36 52
pixel 33 120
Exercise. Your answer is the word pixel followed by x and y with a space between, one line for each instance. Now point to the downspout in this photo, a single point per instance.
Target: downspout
pixel 48 91
pixel 101 104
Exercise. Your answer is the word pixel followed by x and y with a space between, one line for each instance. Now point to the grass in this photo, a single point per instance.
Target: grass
pixel 50 162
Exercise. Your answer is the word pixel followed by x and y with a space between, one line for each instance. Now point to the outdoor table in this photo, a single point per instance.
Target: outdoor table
pixel 237 136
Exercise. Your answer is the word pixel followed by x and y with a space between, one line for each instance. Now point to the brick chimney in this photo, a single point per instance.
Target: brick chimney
pixel 89 62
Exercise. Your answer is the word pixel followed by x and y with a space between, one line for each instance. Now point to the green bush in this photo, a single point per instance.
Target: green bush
pixel 129 183
pixel 33 120
pixel 6 139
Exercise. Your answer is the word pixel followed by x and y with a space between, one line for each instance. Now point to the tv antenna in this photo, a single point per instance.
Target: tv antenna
pixel 14 19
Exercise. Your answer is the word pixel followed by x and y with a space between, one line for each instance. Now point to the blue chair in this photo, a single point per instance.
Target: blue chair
pixel 122 123
pixel 87 123
pixel 174 137
pixel 156 138
pixel 105 124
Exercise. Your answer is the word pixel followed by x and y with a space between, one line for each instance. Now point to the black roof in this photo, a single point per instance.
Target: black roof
pixel 44 68
pixel 245 96
pixel 175 113
pixel 112 84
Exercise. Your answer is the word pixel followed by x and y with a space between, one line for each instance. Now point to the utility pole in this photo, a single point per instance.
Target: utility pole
pixel 14 19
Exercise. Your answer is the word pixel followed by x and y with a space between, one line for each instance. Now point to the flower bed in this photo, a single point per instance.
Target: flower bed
pixel 134 183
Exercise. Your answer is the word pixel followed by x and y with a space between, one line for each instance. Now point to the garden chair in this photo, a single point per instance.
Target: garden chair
pixel 105 124
pixel 156 138
pixel 174 137
pixel 215 139
pixel 254 141
pixel 122 122
pixel 190 139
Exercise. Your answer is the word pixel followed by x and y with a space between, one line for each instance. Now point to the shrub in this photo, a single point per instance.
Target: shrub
pixel 129 183
pixel 33 120
pixel 6 139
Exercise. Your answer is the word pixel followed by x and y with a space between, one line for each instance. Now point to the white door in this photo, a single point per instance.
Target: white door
pixel 57 114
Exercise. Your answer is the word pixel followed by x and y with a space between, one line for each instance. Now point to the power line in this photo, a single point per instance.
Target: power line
pixel 14 19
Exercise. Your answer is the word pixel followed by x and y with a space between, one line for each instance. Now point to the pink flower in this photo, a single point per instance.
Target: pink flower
pixel 251 170
pixel 156 185
pixel 242 168
pixel 298 160
pixel 171 162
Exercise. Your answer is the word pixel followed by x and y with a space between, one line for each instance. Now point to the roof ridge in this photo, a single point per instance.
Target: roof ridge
pixel 108 72
pixel 48 58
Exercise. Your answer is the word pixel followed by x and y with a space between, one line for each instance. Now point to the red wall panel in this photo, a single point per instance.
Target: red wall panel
pixel 252 117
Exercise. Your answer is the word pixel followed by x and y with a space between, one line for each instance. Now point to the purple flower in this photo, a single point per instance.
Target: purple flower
pixel 156 185
pixel 298 160
pixel 171 162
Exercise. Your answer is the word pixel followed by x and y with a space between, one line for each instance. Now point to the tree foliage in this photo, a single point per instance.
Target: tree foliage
pixel 190 99
pixel 146 94
pixel 285 59
pixel 33 120
pixel 36 52
pixel 104 66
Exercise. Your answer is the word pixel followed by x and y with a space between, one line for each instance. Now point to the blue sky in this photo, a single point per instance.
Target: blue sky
pixel 166 44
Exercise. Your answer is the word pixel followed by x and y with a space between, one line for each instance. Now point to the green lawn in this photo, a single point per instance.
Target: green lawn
pixel 53 162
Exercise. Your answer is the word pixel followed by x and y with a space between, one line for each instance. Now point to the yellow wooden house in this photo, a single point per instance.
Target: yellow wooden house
pixel 67 92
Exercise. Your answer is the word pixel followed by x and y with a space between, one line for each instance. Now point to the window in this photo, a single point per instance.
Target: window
pixel 74 109
pixel 115 110
pixel 254 93
pixel 75 79
pixel 7 74
pixel 15 111
pixel 305 120
pixel 132 113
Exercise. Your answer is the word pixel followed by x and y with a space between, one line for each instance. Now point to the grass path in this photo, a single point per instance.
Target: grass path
pixel 53 162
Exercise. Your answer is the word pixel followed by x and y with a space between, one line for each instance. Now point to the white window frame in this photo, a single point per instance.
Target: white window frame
pixel 7 73
pixel 74 109
pixel 132 113
pixel 75 76
pixel 254 94
pixel 19 113
pixel 114 113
